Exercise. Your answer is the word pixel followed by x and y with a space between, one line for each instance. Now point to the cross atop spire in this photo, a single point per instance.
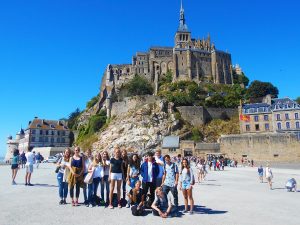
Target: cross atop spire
pixel 182 26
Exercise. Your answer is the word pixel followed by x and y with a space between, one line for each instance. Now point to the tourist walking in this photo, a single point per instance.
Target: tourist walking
pixel 159 159
pixel 162 205
pixel 170 179
pixel 186 183
pixel 105 178
pixel 62 175
pixel 200 168
pixel 29 167
pixel 75 179
pixel 14 166
pixel 133 173
pixel 38 158
pixel 116 177
pixel 269 176
pixel 23 159
pixel 149 173
pixel 260 171
pixel 137 198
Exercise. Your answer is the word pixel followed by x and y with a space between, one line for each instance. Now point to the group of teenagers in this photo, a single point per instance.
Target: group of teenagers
pixel 150 182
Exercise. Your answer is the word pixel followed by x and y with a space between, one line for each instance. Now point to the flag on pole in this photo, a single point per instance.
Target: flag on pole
pixel 245 118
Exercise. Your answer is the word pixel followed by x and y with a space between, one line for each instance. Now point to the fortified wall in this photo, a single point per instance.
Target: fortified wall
pixel 198 115
pixel 262 147
pixel 130 103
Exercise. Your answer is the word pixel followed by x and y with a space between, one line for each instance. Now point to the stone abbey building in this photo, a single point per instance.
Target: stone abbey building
pixel 190 59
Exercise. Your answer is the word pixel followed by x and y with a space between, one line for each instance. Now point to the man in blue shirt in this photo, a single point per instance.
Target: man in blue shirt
pixel 170 179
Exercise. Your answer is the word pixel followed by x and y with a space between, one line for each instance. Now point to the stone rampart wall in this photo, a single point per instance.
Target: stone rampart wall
pixel 262 147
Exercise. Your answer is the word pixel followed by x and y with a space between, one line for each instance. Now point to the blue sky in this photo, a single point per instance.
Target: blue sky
pixel 53 52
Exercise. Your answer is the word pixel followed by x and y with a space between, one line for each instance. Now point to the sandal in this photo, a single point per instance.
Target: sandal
pixel 119 206
pixel 111 207
pixel 73 203
pixel 76 203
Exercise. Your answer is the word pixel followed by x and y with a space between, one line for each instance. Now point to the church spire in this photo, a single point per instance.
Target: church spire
pixel 182 25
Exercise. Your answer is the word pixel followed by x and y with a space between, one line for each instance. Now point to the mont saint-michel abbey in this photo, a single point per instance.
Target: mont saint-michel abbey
pixel 190 59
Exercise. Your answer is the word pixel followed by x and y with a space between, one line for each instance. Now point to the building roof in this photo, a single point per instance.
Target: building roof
pixel 255 105
pixel 170 142
pixel 277 104
pixel 284 103
pixel 47 124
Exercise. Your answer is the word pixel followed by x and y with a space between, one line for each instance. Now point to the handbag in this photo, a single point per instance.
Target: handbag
pixel 89 178
pixel 57 169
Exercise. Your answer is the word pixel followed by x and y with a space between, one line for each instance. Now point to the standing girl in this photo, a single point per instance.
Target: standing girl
pixel 133 173
pixel 97 170
pixel 62 175
pixel 14 166
pixel 187 181
pixel 116 176
pixel 76 176
pixel 105 178
pixel 125 162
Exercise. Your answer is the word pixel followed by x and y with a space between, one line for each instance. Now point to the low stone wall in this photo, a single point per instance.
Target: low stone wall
pixel 202 149
pixel 198 115
pixel 262 147
pixel 49 151
pixel 128 104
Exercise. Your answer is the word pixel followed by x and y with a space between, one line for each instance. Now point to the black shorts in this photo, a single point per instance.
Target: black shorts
pixel 14 166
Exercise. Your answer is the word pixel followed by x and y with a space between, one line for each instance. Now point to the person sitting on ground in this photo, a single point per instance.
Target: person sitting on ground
pixel 136 199
pixel 162 205
pixel 291 185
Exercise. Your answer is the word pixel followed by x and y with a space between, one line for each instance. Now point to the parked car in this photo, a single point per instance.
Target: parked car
pixel 51 159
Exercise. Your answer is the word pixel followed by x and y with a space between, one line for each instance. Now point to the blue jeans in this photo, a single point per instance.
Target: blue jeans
pixel 84 190
pixel 90 191
pixel 106 184
pixel 62 186
pixel 96 182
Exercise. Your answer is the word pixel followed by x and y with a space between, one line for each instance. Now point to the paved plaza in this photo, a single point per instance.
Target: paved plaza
pixel 230 197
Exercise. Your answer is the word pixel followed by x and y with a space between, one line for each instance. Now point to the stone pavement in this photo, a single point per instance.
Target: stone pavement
pixel 230 197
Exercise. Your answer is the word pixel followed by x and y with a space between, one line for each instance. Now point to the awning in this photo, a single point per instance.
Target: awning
pixel 170 142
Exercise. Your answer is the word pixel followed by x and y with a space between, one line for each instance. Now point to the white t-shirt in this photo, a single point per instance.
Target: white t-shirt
pixel 30 158
pixel 159 161
pixel 106 169
pixel 98 172
pixel 150 178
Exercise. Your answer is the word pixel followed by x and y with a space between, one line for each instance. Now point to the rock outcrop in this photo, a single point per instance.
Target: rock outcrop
pixel 140 129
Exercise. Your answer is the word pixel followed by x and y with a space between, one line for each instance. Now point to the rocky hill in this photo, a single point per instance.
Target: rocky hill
pixel 141 128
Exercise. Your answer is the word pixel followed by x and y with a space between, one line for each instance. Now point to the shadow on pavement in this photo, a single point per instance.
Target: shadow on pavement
pixel 45 185
pixel 204 210
pixel 218 185
pixel 278 188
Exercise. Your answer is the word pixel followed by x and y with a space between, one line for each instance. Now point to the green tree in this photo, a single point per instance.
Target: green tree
pixel 240 78
pixel 73 118
pixel 139 86
pixel 298 100
pixel 259 89
pixel 92 102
